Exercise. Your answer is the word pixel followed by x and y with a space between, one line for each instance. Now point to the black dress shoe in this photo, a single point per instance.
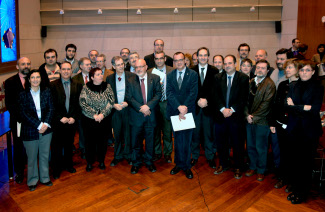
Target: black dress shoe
pixel 134 169
pixel 156 157
pixel 115 162
pixel 168 159
pixel 49 183
pixel 279 184
pixel 288 188
pixel 56 175
pixel 19 178
pixel 291 196
pixel 298 199
pixel 89 167
pixel 194 161
pixel 189 173
pixel 175 170
pixel 32 187
pixel 212 164
pixel 102 166
pixel 71 170
pixel 152 168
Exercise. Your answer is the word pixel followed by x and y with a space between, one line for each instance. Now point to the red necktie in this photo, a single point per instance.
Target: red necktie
pixel 143 91
pixel 86 79
pixel 119 79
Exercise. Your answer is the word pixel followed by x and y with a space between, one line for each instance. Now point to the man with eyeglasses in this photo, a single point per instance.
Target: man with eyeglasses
pixel 120 116
pixel 143 96
pixel 163 124
pixel 182 90
pixel 158 47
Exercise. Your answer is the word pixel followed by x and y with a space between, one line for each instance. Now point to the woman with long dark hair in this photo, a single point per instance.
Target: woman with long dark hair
pixel 303 104
pixel 37 112
pixel 96 102
pixel 319 57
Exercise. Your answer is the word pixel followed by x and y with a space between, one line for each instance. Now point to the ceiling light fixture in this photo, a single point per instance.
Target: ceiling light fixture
pixel 138 12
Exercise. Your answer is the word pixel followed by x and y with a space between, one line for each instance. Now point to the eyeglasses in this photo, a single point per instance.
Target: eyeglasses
pixel 159 45
pixel 137 67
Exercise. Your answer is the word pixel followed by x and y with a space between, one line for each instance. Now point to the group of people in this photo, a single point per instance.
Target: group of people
pixel 232 101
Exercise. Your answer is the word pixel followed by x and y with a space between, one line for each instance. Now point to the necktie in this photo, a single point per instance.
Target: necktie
pixel 67 95
pixel 179 81
pixel 119 79
pixel 202 76
pixel 143 91
pixel 86 79
pixel 163 94
pixel 228 91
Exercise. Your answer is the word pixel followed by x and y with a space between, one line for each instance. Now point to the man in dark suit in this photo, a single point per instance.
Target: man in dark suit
pixel 119 82
pixel 143 97
pixel 260 55
pixel 65 94
pixel 124 53
pixel 229 100
pixel 82 79
pixel 133 57
pixel 13 86
pixel 158 47
pixel 182 89
pixel 163 124
pixel 203 116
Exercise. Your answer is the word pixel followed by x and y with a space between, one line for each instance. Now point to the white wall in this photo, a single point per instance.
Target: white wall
pixel 220 38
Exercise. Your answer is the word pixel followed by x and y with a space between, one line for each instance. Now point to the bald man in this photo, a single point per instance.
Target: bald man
pixel 143 97
pixel 261 54
pixel 14 85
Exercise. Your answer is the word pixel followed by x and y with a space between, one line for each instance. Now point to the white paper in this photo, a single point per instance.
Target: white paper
pixel 18 129
pixel 186 124
pixel 159 73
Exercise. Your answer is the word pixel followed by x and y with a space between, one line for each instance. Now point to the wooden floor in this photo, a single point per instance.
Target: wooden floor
pixel 115 189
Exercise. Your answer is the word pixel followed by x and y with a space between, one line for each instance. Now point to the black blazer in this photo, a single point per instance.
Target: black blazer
pixel 58 94
pixel 298 118
pixel 134 98
pixel 111 79
pixel 186 95
pixel 30 121
pixel 150 60
pixel 79 79
pixel 13 88
pixel 205 91
pixel 238 95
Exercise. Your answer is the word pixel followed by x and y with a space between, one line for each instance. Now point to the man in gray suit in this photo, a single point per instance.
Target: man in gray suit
pixel 163 124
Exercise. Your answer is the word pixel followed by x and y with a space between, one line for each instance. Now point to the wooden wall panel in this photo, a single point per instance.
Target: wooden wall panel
pixel 310 28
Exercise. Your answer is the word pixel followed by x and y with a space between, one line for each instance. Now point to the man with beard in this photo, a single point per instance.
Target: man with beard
pixel 260 98
pixel 278 74
pixel 124 53
pixel 70 53
pixel 92 55
pixel 243 53
pixel 13 86
pixel 158 47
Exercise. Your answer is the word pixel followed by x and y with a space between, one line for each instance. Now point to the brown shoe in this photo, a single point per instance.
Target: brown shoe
pixel 250 173
pixel 220 170
pixel 260 177
pixel 237 174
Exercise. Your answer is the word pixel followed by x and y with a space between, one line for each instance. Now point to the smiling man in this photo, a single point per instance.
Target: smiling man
pixel 142 97
pixel 158 47
pixel 50 70
pixel 203 115
pixel 65 94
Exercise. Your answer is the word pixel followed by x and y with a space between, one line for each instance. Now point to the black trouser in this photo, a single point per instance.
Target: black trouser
pixel 95 138
pixel 62 140
pixel 121 127
pixel 19 153
pixel 285 149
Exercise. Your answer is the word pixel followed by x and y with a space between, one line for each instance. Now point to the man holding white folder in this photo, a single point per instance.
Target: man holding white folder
pixel 182 89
